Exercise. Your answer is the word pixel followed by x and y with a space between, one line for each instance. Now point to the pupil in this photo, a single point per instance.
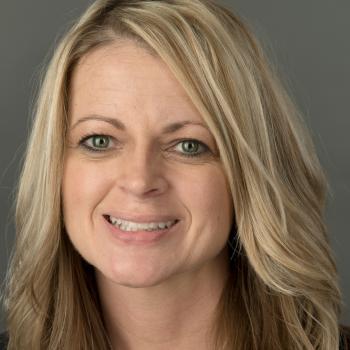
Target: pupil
pixel 191 147
pixel 100 142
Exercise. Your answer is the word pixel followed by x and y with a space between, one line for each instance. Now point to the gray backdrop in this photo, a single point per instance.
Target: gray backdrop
pixel 308 40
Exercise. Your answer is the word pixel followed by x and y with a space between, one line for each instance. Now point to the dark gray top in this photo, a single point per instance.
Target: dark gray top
pixel 344 340
pixel 3 341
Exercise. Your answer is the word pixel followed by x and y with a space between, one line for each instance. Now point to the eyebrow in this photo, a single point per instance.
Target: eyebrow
pixel 168 129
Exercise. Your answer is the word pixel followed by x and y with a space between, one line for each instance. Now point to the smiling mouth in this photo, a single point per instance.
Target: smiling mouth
pixel 130 226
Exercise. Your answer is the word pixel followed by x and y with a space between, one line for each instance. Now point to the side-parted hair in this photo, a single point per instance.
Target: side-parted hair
pixel 283 291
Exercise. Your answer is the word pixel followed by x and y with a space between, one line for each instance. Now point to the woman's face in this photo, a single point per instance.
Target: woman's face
pixel 125 161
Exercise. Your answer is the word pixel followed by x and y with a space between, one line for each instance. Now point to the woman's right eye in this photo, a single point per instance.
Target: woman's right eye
pixel 96 143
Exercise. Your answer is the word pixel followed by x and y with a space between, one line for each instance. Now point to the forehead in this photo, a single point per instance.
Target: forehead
pixel 120 59
pixel 124 75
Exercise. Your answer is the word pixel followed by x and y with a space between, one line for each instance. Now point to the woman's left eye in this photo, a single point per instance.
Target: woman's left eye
pixel 97 143
pixel 193 148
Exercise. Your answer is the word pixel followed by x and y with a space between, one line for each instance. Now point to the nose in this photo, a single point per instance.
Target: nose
pixel 141 173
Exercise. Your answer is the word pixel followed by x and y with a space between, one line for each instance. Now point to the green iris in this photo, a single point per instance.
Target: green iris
pixel 192 146
pixel 100 141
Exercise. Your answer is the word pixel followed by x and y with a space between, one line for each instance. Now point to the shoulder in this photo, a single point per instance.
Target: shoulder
pixel 3 341
pixel 344 337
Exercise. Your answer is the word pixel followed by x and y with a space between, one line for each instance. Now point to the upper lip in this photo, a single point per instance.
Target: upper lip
pixel 143 218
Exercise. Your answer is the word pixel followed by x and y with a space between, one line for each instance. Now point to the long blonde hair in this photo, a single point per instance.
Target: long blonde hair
pixel 283 292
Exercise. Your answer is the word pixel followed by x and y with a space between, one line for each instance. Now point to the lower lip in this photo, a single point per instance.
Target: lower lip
pixel 139 237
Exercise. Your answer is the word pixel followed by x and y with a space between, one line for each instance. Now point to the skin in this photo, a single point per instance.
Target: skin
pixel 162 295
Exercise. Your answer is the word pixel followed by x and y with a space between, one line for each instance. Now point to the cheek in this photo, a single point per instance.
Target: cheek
pixel 207 197
pixel 220 196
pixel 210 209
pixel 219 207
pixel 83 187
pixel 209 192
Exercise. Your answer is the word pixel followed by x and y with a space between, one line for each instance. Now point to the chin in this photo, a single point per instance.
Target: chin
pixel 140 277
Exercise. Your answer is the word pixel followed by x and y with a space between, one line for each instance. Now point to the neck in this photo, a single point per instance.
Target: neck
pixel 176 314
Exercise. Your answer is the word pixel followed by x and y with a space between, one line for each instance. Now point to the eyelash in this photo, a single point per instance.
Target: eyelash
pixel 83 143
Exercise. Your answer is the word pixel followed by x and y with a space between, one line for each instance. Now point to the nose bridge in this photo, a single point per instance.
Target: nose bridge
pixel 141 171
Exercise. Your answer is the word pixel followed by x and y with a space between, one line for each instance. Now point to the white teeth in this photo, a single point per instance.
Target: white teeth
pixel 113 221
pixel 133 226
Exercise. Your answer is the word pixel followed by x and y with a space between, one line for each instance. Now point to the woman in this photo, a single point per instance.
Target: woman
pixel 127 238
